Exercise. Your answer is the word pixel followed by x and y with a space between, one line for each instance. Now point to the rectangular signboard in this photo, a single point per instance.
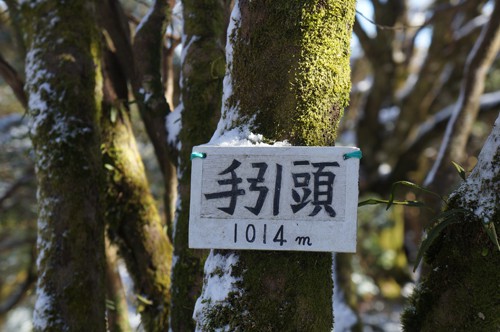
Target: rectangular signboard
pixel 274 198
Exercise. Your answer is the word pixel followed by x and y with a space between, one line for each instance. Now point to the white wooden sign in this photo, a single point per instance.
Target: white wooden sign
pixel 274 198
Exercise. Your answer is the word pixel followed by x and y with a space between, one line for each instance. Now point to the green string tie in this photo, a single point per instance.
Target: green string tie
pixel 201 155
pixel 355 154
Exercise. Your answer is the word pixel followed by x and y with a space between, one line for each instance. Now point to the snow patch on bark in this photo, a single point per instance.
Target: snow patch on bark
pixel 174 126
pixel 43 309
pixel 480 189
pixel 38 89
pixel 229 113
pixel 217 286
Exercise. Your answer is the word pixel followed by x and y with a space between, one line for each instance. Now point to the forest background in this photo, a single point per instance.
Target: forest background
pixel 412 67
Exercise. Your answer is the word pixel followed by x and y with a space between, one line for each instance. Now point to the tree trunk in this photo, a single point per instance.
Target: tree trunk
pixel 461 291
pixel 61 82
pixel 149 92
pixel 133 220
pixel 201 81
pixel 288 79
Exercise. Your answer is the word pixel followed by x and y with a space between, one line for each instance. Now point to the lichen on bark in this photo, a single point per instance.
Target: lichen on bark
pixel 63 106
pixel 202 73
pixel 290 68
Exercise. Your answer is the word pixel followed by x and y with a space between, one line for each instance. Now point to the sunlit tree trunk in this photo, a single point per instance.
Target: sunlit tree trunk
pixel 202 74
pixel 63 86
pixel 132 217
pixel 288 79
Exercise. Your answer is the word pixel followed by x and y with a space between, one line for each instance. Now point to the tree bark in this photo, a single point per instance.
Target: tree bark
pixel 288 79
pixel 133 220
pixel 149 92
pixel 461 291
pixel 61 82
pixel 201 81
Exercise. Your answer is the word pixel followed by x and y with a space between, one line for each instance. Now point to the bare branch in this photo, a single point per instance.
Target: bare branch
pixel 113 20
pixel 389 27
pixel 21 291
pixel 28 176
pixel 487 102
pixel 460 125
pixel 12 78
pixel 474 25
pixel 365 40
pixel 13 242
pixel 148 86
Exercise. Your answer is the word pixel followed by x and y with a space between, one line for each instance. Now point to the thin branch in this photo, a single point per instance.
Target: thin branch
pixel 459 127
pixel 442 8
pixel 476 24
pixel 147 49
pixel 113 20
pixel 15 19
pixel 365 40
pixel 387 27
pixel 12 78
pixel 27 177
pixel 134 20
pixel 11 242
pixel 144 3
pixel 487 102
pixel 21 291
pixel 431 129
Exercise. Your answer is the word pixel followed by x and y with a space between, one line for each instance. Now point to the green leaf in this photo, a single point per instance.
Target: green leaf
pixel 411 185
pixel 460 170
pixel 375 201
pixel 492 233
pixel 110 305
pixel 109 167
pixel 113 114
pixel 143 299
pixel 444 220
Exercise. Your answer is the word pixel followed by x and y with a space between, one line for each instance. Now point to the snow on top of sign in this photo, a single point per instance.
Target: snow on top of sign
pixel 242 137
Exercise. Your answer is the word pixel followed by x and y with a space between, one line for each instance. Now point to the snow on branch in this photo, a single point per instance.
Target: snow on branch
pixel 481 190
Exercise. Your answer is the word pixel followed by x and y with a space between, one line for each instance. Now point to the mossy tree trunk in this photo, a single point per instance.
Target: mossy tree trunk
pixel 202 73
pixel 288 79
pixel 461 291
pixel 133 220
pixel 140 60
pixel 62 80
